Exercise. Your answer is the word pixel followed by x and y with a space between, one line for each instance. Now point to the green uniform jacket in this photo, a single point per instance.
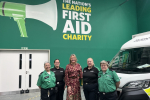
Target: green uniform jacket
pixel 107 82
pixel 46 80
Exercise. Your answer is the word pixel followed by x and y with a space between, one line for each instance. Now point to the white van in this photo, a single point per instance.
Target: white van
pixel 132 64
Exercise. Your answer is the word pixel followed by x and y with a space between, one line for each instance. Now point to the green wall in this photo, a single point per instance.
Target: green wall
pixel 143 15
pixel 112 25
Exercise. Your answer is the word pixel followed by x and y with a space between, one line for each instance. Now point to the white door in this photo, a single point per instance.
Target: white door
pixel 12 70
pixel 20 69
pixel 34 66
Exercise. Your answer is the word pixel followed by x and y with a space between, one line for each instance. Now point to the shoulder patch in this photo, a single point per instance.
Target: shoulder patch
pixel 40 73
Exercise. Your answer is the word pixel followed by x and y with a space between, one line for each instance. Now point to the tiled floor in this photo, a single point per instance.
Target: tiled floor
pixel 30 96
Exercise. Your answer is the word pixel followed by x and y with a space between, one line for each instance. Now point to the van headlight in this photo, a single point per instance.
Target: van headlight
pixel 138 84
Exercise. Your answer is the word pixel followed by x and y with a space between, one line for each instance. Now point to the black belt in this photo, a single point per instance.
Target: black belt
pixel 59 82
pixel 73 77
pixel 89 83
pixel 107 92
pixel 49 88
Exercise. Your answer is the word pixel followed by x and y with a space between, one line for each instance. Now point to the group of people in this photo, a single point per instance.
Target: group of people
pixel 98 84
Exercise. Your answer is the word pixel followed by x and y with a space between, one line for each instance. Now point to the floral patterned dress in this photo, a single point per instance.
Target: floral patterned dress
pixel 72 76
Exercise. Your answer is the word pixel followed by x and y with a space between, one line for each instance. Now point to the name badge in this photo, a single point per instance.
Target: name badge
pixel 54 71
pixel 46 77
pixel 84 71
pixel 61 71
pixel 108 76
pixel 91 71
pixel 57 82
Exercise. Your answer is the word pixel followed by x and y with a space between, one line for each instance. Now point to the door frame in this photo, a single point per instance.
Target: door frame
pixel 28 50
pixel 31 90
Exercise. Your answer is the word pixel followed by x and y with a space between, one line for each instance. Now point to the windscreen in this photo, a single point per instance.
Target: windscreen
pixel 136 60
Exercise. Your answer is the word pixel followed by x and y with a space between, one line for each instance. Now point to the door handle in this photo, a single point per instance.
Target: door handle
pixel 27 72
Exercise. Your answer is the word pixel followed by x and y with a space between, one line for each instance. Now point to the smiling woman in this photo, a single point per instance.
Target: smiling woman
pixel 108 82
pixel 46 82
pixel 73 73
pixel 59 74
pixel 90 80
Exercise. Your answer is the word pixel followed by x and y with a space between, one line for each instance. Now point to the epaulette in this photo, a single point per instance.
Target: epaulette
pixel 40 73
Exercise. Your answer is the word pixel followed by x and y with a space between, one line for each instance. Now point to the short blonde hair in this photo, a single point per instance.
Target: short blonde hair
pixel 104 62
pixel 71 56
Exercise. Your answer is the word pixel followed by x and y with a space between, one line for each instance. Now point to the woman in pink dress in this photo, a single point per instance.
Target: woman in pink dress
pixel 73 73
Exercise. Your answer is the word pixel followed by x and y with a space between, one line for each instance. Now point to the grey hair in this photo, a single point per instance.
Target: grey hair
pixel 93 60
pixel 46 62
pixel 104 62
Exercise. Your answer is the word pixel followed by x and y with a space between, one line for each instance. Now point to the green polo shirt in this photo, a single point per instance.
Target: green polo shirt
pixel 107 82
pixel 46 80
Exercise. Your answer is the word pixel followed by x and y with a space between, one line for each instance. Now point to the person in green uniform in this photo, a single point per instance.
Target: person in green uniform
pixel 46 82
pixel 108 82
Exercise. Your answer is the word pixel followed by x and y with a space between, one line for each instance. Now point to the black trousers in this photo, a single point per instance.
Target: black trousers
pixel 108 96
pixel 91 91
pixel 44 94
pixel 60 92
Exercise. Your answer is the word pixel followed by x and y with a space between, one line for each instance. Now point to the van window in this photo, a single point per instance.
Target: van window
pixel 135 60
